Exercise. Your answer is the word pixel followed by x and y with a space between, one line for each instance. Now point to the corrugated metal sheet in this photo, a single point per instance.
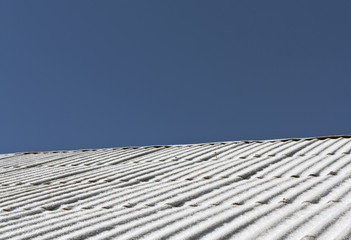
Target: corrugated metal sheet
pixel 277 189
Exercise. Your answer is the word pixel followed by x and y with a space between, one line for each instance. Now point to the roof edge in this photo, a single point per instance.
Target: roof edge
pixel 192 144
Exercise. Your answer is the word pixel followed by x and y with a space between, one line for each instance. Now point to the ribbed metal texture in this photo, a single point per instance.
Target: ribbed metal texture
pixel 278 189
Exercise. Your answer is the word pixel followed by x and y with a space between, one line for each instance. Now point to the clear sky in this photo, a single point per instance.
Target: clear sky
pixel 93 74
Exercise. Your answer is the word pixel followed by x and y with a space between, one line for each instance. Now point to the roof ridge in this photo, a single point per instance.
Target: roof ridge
pixel 191 144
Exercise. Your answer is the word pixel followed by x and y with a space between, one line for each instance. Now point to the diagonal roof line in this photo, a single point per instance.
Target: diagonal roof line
pixel 198 144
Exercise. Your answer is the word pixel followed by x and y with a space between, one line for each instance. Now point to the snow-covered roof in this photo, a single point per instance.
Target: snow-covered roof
pixel 274 189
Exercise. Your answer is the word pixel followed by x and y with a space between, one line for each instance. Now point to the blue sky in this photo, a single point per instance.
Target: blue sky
pixel 92 74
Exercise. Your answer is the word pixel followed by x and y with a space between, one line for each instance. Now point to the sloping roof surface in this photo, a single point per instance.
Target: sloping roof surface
pixel 276 189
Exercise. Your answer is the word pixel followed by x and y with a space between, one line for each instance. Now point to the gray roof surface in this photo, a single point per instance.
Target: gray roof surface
pixel 271 189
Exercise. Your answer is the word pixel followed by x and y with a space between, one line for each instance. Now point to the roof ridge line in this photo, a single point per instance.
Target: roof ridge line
pixel 191 144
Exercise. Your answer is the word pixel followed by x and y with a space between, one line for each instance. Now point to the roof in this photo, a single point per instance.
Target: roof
pixel 274 189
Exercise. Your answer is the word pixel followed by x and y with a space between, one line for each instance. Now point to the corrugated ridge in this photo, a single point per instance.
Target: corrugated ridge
pixel 180 145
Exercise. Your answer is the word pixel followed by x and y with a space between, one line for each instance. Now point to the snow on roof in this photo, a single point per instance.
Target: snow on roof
pixel 275 189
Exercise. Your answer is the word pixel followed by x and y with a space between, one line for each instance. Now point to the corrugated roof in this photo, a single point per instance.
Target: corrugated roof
pixel 274 189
